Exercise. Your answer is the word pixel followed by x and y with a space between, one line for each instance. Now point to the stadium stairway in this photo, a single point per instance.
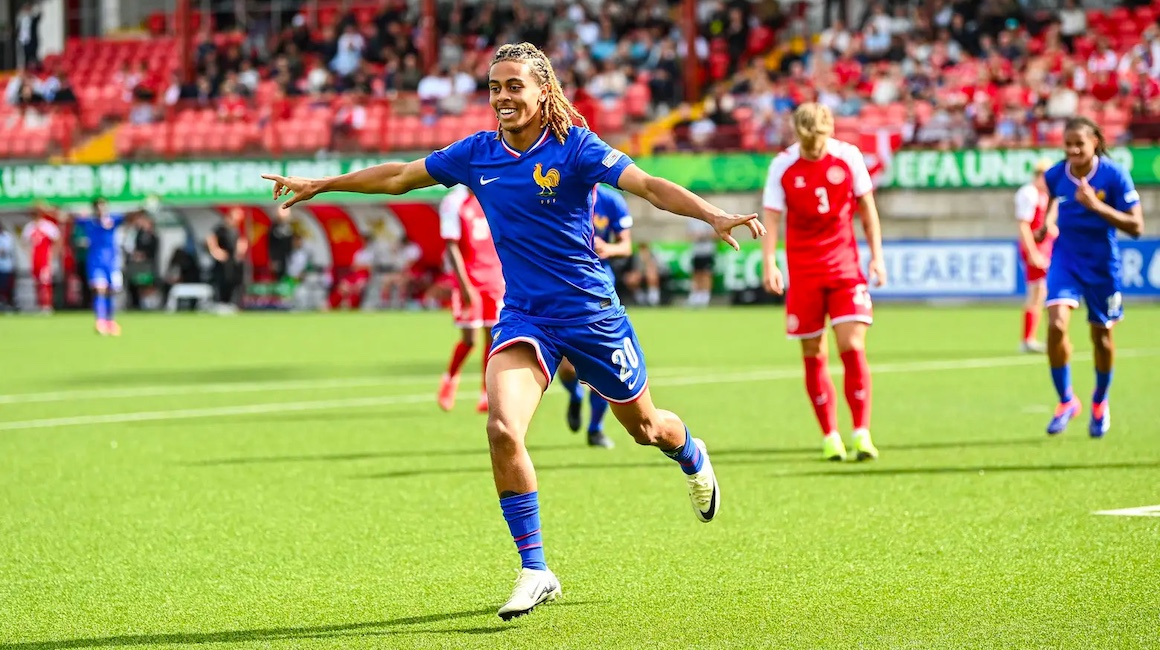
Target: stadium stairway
pixel 642 142
pixel 96 149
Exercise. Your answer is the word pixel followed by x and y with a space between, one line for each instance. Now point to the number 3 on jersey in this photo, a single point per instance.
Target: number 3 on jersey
pixel 823 200
pixel 627 359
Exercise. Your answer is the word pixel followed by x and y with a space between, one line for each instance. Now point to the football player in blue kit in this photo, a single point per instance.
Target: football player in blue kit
pixel 1095 197
pixel 534 178
pixel 103 266
pixel 611 239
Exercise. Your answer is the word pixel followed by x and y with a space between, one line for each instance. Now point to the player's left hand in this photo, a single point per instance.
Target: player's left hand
pixel 601 248
pixel 1086 195
pixel 877 273
pixel 724 224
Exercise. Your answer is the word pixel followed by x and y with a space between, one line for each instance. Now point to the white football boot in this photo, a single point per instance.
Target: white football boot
pixel 532 588
pixel 703 490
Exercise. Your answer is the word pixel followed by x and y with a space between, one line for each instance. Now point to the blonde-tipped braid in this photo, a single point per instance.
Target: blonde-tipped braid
pixel 813 123
pixel 556 112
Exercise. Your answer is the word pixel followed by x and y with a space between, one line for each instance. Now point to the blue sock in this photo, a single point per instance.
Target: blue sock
pixel 1061 377
pixel 109 302
pixel 522 513
pixel 573 388
pixel 599 407
pixel 1103 382
pixel 688 455
pixel 101 307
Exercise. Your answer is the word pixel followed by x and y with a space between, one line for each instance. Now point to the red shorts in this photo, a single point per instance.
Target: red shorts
pixel 42 274
pixel 1030 272
pixel 482 313
pixel 808 302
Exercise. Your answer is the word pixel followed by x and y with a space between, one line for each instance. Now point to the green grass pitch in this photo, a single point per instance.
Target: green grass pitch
pixel 286 481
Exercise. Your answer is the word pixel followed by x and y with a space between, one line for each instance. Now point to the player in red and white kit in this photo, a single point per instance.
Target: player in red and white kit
pixel 817 184
pixel 42 237
pixel 1036 236
pixel 478 296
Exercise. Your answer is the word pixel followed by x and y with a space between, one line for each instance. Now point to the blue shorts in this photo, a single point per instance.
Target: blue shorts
pixel 1101 293
pixel 105 276
pixel 606 354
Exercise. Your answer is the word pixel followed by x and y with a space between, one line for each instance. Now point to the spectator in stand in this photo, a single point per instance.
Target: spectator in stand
pixel 28 34
pixel 232 107
pixel 349 50
pixel 1072 23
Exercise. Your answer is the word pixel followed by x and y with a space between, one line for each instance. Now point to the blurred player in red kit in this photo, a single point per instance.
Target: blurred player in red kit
pixel 817 184
pixel 1036 236
pixel 42 237
pixel 478 295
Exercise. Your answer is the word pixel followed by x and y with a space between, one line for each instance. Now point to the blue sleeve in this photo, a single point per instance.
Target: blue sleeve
pixel 1124 194
pixel 118 219
pixel 597 162
pixel 1051 178
pixel 451 165
pixel 619 218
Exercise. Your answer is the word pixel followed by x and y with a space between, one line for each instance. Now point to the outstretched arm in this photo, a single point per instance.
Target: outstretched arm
pixel 669 196
pixel 387 178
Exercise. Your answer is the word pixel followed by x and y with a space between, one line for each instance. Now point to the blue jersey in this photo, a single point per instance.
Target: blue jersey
pixel 102 235
pixel 1087 242
pixel 539 205
pixel 610 217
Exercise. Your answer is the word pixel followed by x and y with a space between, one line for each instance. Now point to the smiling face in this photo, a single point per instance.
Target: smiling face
pixel 516 95
pixel 1079 145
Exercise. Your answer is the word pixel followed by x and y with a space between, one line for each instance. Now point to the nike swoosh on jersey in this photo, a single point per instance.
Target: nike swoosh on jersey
pixel 485 181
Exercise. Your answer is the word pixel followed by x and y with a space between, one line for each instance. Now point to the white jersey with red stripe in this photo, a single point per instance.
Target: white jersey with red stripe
pixel 1031 206
pixel 41 235
pixel 461 219
pixel 818 199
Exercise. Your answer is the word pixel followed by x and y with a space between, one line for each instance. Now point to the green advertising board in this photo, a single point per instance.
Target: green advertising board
pixel 228 181
pixel 178 183
pixel 733 270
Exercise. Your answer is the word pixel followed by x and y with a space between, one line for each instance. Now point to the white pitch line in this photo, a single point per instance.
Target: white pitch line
pixel 1142 511
pixel 364 402
pixel 188 414
pixel 235 387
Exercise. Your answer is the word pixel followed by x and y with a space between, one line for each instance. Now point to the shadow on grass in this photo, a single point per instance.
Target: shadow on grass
pixel 727 458
pixel 396 626
pixel 861 470
pixel 370 455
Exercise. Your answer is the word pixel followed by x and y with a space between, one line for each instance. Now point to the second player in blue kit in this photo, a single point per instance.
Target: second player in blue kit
pixel 1095 197
pixel 611 240
pixel 534 178
pixel 103 266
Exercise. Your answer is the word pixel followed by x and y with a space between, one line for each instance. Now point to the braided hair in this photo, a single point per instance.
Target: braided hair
pixel 1085 122
pixel 556 112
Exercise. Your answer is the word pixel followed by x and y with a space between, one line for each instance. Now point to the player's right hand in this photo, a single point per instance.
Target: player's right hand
pixel 468 297
pixel 772 279
pixel 1037 260
pixel 303 188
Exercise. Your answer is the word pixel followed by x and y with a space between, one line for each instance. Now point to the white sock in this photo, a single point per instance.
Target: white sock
pixel 654 296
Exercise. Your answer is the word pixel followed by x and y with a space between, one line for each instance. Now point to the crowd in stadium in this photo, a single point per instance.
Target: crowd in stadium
pixel 949 74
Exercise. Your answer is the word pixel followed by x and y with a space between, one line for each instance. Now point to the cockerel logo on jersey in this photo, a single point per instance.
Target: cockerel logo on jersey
pixel 547 181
